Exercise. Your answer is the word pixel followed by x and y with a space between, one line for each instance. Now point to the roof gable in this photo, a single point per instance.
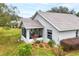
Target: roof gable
pixel 63 22
pixel 30 24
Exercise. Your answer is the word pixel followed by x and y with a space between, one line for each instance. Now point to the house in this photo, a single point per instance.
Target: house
pixel 49 25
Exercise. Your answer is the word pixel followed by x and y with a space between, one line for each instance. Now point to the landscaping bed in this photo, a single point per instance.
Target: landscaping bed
pixel 70 44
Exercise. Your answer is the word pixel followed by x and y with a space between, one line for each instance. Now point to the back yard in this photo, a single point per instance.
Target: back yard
pixel 9 43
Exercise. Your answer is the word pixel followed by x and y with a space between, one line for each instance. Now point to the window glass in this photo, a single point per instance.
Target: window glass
pixel 49 34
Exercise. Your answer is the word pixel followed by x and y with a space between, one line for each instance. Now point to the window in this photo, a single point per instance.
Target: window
pixel 24 32
pixel 49 34
pixel 76 33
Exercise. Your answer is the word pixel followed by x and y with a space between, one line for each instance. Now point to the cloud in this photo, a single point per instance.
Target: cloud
pixel 28 9
pixel 26 13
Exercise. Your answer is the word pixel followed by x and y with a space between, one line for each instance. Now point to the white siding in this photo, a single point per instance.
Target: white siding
pixel 28 34
pixel 78 32
pixel 47 26
pixel 67 34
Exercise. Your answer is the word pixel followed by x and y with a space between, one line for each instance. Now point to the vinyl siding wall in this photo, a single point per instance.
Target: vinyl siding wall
pixel 67 34
pixel 46 25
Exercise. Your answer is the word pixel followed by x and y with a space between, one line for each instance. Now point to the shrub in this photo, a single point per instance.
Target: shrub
pixel 51 43
pixel 24 49
pixel 6 28
pixel 41 45
pixel 37 41
pixel 58 51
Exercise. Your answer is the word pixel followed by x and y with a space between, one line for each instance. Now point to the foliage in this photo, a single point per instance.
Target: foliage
pixel 41 51
pixel 77 14
pixel 58 51
pixel 44 52
pixel 9 34
pixel 38 41
pixel 51 43
pixel 8 41
pixel 24 49
pixel 73 53
pixel 62 9
pixel 6 28
pixel 7 14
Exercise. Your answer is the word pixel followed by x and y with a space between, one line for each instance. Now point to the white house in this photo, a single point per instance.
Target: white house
pixel 49 25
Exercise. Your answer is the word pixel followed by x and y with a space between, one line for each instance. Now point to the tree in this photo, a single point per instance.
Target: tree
pixel 4 15
pixel 55 9
pixel 72 11
pixel 7 14
pixel 77 14
pixel 13 12
pixel 61 9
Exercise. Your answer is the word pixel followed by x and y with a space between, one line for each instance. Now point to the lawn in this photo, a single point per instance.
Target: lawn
pixel 73 53
pixel 8 41
pixel 42 51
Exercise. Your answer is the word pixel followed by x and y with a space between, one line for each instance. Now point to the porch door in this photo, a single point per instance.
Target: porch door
pixel 49 34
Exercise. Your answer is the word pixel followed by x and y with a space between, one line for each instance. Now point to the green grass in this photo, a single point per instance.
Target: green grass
pixel 73 53
pixel 41 51
pixel 44 52
pixel 8 41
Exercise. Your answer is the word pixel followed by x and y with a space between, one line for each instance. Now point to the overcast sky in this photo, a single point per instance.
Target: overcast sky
pixel 28 9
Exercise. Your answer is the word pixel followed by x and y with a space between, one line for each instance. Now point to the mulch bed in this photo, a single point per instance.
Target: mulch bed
pixel 70 43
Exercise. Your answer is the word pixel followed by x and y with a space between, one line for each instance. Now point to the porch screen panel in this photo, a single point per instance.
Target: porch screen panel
pixel 24 32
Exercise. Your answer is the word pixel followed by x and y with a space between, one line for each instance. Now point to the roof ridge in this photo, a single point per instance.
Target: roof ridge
pixel 56 13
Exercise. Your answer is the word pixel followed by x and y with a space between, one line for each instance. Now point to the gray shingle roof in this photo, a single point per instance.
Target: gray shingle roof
pixel 30 24
pixel 62 22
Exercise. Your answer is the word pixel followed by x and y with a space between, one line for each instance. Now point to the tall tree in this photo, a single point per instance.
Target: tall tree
pixel 13 12
pixel 61 9
pixel 4 15
pixel 7 14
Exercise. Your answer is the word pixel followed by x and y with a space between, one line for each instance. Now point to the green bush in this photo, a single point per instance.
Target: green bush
pixel 24 49
pixel 37 41
pixel 51 43
pixel 6 28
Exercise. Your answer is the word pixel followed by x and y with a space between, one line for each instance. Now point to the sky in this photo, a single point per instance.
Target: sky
pixel 28 9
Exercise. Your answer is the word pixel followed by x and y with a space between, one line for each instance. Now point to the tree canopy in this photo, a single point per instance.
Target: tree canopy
pixel 77 14
pixel 61 9
pixel 7 14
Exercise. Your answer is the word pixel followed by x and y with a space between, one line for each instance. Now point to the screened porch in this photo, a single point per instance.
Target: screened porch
pixel 32 33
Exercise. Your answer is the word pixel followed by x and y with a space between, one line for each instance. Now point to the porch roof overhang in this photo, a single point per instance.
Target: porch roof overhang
pixel 31 24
